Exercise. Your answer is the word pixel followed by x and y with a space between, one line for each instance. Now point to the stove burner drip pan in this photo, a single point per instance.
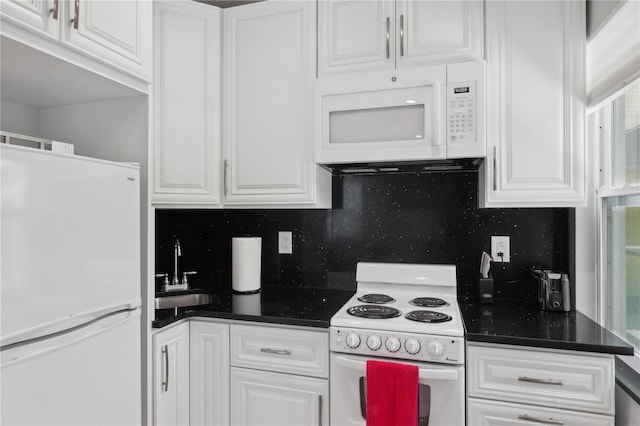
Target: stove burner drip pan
pixel 427 316
pixel 376 298
pixel 373 311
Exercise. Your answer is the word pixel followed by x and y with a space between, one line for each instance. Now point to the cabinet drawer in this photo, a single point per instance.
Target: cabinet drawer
pixel 280 349
pixel 571 380
pixel 489 413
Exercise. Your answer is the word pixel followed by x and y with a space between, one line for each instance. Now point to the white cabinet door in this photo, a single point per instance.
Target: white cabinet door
pixel 209 371
pixel 114 32
pixel 355 36
pixel 186 107
pixel 171 376
pixel 535 104
pixel 263 398
pixel 496 413
pixel 375 35
pixel 41 17
pixel 438 32
pixel 269 63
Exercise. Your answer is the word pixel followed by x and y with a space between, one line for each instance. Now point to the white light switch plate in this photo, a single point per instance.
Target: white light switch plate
pixel 285 242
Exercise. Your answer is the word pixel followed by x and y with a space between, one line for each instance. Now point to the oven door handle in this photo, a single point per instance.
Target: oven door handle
pixel 423 373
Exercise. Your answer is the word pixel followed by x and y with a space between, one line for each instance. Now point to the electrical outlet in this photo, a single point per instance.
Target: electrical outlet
pixel 285 242
pixel 500 244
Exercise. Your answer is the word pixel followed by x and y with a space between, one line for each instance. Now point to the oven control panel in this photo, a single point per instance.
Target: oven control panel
pixel 414 347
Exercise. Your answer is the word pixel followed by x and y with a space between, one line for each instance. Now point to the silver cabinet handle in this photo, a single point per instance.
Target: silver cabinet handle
pixel 548 421
pixel 54 10
pixel 76 14
pixel 541 381
pixel 226 166
pixel 495 168
pixel 388 37
pixel 319 410
pixel 165 382
pixel 401 35
pixel 275 351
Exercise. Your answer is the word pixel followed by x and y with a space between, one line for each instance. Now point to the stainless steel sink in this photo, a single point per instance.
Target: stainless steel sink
pixel 180 300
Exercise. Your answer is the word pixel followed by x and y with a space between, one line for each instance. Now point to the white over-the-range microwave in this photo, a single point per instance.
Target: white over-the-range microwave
pixel 426 113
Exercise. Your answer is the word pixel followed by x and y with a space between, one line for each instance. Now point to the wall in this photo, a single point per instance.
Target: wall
pixel 19 118
pixel 422 218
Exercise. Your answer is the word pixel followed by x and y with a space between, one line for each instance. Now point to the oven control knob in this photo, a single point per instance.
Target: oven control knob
pixel 374 342
pixel 435 348
pixel 392 344
pixel 353 340
pixel 412 346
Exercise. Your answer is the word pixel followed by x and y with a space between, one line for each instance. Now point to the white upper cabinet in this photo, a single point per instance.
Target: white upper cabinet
pixel 117 34
pixel 269 73
pixel 39 16
pixel 376 35
pixel 535 104
pixel 114 32
pixel 186 107
pixel 355 36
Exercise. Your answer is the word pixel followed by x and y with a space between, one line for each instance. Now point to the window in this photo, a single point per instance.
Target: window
pixel 619 215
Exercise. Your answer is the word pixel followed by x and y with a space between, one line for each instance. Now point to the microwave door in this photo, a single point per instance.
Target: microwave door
pixel 382 118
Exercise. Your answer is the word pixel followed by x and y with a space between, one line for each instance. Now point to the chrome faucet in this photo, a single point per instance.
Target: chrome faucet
pixel 175 283
pixel 177 252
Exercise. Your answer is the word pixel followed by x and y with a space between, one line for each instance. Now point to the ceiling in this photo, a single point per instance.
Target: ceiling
pixel 228 3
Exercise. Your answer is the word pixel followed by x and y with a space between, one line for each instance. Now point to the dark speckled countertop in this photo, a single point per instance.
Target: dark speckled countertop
pixel 515 323
pixel 311 307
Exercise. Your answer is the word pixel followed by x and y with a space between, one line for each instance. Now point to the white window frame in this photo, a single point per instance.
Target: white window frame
pixel 604 191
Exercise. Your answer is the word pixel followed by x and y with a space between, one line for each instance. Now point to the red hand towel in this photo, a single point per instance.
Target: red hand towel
pixel 392 394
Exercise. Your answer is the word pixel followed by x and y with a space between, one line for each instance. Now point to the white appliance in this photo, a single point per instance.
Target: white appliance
pixel 374 325
pixel 70 291
pixel 426 113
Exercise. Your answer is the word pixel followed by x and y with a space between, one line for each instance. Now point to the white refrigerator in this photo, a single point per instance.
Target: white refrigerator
pixel 70 290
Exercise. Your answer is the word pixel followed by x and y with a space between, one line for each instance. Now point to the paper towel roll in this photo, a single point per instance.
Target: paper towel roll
pixel 246 255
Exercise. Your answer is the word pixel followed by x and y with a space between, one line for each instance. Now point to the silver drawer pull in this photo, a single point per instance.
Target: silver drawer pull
pixel 548 421
pixel 541 381
pixel 275 351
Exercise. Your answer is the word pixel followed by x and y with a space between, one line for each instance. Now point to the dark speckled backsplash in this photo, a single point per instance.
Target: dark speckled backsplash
pixel 418 218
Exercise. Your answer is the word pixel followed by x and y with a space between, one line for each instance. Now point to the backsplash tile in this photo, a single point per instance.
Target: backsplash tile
pixel 418 218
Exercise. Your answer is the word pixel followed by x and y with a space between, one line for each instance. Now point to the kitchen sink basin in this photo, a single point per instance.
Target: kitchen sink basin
pixel 180 300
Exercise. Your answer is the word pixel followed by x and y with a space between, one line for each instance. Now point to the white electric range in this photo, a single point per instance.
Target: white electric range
pixel 404 313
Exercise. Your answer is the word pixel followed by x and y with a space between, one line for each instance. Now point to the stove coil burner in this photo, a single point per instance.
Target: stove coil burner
pixel 428 302
pixel 427 316
pixel 373 311
pixel 376 299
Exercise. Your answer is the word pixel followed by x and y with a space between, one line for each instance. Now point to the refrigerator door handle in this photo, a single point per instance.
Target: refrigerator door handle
pixel 24 349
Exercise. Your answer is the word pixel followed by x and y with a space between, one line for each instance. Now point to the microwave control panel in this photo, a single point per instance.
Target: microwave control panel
pixel 461 112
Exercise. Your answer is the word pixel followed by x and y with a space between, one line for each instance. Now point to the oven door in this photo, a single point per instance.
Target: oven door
pixel 440 392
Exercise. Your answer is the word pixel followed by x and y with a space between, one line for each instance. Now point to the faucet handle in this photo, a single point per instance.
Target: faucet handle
pixel 165 282
pixel 185 280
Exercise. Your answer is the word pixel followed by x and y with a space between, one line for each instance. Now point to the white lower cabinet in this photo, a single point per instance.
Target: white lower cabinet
pixel 279 376
pixel 171 376
pixel 209 372
pixel 520 385
pixel 268 398
pixel 494 413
